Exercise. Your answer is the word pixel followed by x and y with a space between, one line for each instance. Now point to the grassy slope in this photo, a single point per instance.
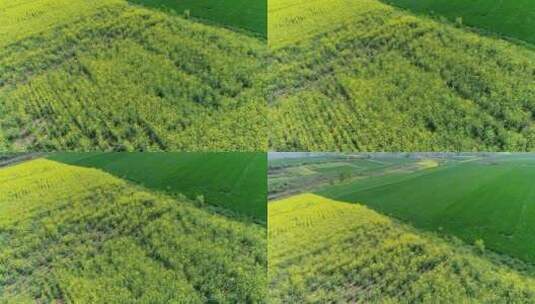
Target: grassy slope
pixel 367 76
pixel 250 15
pixel 514 19
pixel 324 251
pixel 474 200
pixel 236 181
pixel 81 76
pixel 78 235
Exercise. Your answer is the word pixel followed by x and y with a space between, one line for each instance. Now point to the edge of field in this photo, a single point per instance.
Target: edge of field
pixel 207 21
pixel 257 213
pixel 458 245
pixel 473 29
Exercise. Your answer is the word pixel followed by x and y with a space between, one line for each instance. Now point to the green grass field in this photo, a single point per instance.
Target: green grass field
pixel 366 76
pixel 247 15
pixel 236 181
pixel 70 234
pixel 325 251
pixel 110 75
pixel 515 19
pixel 489 199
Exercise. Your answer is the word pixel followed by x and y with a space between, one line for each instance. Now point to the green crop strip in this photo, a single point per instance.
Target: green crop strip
pixel 513 19
pixel 250 15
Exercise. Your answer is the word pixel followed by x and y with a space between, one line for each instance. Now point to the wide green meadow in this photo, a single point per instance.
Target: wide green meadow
pixel 514 19
pixel 71 234
pixel 488 199
pixel 326 251
pixel 113 75
pixel 236 181
pixel 367 76
pixel 250 15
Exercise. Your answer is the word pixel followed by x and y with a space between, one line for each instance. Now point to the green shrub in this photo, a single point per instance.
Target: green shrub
pixel 480 246
pixel 200 200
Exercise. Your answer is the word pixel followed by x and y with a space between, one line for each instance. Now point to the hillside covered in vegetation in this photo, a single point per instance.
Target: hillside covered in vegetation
pixel 326 251
pixel 78 235
pixel 367 76
pixel 112 75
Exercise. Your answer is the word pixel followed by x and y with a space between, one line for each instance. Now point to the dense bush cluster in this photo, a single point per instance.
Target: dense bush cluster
pixel 323 251
pixel 77 235
pixel 383 79
pixel 125 78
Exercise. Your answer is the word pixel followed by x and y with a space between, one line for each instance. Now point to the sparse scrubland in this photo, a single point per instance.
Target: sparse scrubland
pixel 362 75
pixel 78 235
pixel 109 75
pixel 326 251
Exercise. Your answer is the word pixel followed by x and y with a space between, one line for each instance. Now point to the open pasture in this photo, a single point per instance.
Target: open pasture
pixel 514 19
pixel 492 199
pixel 79 235
pixel 250 15
pixel 366 76
pixel 109 75
pixel 236 181
pixel 326 251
